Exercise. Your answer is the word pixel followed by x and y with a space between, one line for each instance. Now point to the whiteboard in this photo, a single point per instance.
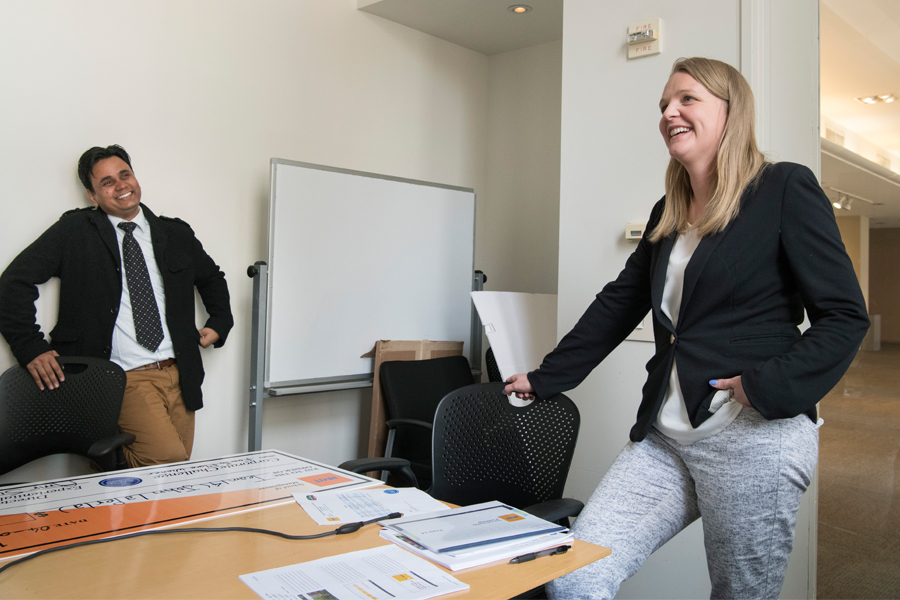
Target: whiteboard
pixel 356 257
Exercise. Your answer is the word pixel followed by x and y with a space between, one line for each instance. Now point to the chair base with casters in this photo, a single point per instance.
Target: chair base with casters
pixel 79 417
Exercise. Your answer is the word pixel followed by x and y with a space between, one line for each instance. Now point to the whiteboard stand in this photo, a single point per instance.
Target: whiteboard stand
pixel 340 245
pixel 259 272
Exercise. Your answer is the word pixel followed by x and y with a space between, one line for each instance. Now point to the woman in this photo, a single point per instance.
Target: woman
pixel 727 426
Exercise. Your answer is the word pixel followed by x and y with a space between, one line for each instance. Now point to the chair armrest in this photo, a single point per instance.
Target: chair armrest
pixel 398 466
pixel 556 510
pixel 106 445
pixel 392 423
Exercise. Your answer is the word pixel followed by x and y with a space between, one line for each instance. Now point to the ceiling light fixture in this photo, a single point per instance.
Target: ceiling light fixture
pixel 886 98
pixel 519 9
pixel 845 199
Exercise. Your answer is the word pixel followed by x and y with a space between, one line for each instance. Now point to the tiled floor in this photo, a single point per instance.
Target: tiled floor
pixel 859 481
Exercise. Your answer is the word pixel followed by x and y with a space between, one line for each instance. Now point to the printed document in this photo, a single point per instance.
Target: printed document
pixel 335 507
pixel 481 555
pixel 457 528
pixel 383 573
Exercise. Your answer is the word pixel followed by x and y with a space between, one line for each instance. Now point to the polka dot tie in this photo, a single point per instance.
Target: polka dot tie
pixel 147 325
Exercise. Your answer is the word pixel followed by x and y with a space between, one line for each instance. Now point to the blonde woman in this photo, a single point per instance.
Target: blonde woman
pixel 727 426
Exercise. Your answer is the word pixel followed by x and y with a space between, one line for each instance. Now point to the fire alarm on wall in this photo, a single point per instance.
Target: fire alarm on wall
pixel 644 38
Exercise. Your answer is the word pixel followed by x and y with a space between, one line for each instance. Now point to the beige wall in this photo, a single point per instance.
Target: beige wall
pixel 884 284
pixel 202 93
pixel 519 223
pixel 855 235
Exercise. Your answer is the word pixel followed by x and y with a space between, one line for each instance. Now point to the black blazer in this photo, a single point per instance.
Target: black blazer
pixel 82 250
pixel 745 290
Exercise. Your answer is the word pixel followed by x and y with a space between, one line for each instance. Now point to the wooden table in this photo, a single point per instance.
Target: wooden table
pixel 207 565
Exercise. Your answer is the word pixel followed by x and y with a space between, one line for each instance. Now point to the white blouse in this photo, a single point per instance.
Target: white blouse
pixel 672 419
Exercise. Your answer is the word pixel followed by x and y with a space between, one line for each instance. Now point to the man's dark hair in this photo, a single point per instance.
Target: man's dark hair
pixel 94 155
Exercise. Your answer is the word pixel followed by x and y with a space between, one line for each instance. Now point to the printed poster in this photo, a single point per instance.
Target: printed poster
pixel 36 516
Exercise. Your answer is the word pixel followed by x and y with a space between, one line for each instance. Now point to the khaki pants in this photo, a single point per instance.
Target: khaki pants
pixel 153 410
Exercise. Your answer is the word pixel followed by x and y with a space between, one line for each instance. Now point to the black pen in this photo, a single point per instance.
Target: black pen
pixel 534 555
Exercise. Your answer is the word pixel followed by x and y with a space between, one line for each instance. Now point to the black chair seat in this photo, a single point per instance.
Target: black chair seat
pixel 79 417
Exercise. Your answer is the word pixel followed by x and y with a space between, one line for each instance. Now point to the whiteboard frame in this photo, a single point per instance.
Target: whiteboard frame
pixel 364 379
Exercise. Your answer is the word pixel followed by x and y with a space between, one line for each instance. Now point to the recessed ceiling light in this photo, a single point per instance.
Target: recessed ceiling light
pixel 886 98
pixel 519 9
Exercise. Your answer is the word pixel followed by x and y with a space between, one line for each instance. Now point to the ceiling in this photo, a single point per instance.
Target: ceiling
pixel 860 56
pixel 486 26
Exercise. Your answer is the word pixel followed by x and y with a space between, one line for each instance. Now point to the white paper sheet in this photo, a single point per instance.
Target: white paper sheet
pixel 382 573
pixel 455 529
pixel 520 327
pixel 480 555
pixel 335 508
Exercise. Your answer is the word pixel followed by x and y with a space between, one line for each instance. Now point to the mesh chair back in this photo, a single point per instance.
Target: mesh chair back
pixel 412 390
pixel 486 449
pixel 82 410
pixel 490 362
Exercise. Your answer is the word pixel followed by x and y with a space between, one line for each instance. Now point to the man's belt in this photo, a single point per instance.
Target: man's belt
pixel 156 366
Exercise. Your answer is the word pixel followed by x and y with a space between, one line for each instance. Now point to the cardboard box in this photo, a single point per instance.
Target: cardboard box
pixel 398 350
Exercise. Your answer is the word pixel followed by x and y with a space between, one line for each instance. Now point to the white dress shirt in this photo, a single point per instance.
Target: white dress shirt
pixel 673 419
pixel 126 352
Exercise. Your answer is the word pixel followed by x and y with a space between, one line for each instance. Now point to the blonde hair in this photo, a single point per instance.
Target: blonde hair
pixel 738 161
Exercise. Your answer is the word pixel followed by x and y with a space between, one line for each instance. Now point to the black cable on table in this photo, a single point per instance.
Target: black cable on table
pixel 345 528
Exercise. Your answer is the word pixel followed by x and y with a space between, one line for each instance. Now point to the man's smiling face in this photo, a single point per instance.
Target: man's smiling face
pixel 116 189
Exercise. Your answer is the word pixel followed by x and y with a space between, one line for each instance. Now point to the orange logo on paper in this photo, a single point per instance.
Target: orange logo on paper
pixel 324 479
pixel 511 517
pixel 402 577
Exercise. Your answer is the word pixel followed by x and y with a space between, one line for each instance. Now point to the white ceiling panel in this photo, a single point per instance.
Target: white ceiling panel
pixel 486 26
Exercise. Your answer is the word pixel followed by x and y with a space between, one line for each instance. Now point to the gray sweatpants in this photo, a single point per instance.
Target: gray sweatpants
pixel 746 482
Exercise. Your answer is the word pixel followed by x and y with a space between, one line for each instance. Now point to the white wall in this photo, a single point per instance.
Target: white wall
pixel 519 222
pixel 202 93
pixel 613 164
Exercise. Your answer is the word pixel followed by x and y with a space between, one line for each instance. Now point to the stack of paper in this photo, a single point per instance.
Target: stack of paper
pixel 383 573
pixel 465 537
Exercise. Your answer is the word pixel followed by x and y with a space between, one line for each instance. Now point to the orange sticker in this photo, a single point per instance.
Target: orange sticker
pixel 323 479
pixel 511 517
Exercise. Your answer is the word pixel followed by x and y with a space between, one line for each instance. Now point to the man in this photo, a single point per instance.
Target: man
pixel 127 281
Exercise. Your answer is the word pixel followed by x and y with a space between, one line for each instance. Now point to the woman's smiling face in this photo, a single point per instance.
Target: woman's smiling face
pixel 693 121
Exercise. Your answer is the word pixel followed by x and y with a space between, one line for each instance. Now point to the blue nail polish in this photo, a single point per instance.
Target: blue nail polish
pixel 713 382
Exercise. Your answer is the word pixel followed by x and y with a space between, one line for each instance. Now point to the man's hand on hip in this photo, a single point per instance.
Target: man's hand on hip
pixel 208 337
pixel 46 371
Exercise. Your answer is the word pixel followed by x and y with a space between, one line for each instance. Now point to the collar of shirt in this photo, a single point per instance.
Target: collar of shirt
pixel 140 220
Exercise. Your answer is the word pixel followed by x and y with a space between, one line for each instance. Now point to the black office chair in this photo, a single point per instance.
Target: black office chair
pixel 78 417
pixel 486 449
pixel 490 362
pixel 412 390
